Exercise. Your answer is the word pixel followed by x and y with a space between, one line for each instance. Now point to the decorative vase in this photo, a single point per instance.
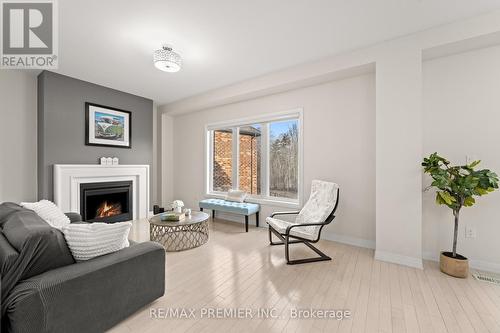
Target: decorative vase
pixel 455 266
pixel 178 209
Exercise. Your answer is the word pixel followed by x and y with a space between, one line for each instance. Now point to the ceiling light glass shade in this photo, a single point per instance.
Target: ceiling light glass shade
pixel 167 60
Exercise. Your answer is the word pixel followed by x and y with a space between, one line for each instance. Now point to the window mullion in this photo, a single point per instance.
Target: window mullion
pixel 265 160
pixel 211 161
pixel 235 157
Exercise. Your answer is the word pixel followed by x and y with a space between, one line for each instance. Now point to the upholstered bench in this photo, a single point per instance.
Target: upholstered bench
pixel 241 208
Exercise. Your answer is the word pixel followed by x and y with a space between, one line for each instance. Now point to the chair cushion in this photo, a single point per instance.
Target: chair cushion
pixel 242 208
pixel 320 204
pixel 280 226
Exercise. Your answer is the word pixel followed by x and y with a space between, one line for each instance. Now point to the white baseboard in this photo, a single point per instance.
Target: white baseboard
pixel 485 266
pixel 399 259
pixel 359 242
pixel 370 244
pixel 475 264
pixel 366 243
pixel 354 241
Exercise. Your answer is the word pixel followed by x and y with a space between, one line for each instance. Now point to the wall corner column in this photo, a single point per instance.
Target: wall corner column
pixel 398 155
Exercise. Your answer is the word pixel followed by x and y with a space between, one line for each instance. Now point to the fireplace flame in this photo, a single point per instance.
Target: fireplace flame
pixel 109 209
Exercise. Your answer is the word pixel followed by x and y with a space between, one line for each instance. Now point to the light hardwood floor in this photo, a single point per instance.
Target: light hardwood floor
pixel 238 270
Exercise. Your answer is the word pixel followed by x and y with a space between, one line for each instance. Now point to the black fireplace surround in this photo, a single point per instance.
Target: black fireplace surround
pixel 107 202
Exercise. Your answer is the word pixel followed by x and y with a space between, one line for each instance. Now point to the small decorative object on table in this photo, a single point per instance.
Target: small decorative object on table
pixel 157 209
pixel 172 216
pixel 103 161
pixel 177 206
pixel 115 160
pixel 187 212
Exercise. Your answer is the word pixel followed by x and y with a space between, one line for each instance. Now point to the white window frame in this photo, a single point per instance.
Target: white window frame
pixel 263 198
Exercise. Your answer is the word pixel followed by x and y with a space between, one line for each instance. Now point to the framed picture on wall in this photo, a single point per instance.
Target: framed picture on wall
pixel 107 126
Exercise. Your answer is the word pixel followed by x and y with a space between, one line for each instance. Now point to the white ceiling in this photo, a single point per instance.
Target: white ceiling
pixel 225 41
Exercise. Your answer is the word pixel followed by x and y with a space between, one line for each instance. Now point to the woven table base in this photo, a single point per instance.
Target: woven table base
pixel 181 237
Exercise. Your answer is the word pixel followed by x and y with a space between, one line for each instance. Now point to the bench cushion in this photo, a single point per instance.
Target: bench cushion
pixel 242 208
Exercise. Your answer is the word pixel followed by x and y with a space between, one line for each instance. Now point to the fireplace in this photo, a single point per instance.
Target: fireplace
pixel 106 201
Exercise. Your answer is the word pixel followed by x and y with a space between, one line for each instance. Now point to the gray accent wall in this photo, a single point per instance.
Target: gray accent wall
pixel 61 126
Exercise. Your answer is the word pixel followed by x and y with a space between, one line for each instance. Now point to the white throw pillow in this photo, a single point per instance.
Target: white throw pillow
pixel 89 240
pixel 236 195
pixel 49 212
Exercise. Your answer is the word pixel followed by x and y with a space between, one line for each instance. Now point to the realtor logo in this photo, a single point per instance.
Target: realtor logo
pixel 29 34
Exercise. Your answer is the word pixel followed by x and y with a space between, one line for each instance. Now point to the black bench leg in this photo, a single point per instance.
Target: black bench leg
pixel 257 219
pixel 201 209
pixel 246 223
pixel 213 214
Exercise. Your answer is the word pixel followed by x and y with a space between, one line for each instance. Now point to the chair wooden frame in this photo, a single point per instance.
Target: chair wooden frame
pixel 287 239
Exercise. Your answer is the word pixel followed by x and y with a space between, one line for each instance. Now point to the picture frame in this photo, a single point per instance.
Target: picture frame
pixel 107 126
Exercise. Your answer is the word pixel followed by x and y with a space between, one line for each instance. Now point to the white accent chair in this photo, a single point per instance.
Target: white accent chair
pixel 316 213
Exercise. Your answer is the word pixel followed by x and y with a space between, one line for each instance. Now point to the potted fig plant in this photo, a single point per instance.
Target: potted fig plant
pixel 456 188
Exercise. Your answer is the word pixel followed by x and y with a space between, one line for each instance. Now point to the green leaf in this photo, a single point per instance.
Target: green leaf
pixel 481 191
pixel 447 198
pixel 469 201
pixel 439 200
pixel 473 164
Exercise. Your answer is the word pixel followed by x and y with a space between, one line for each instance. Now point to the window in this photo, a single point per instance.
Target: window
pixel 250 157
pixel 284 159
pixel 259 156
pixel 223 160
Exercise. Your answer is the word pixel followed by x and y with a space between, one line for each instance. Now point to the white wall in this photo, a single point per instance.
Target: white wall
pixel 462 117
pixel 339 146
pixel 18 135
pixel 399 151
pixel 398 89
pixel 166 191
pixel 155 168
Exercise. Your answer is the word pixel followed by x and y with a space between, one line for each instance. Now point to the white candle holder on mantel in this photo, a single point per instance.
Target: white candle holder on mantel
pixel 109 161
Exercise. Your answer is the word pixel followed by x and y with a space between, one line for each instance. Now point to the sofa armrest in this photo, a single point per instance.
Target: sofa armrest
pixel 74 217
pixel 89 296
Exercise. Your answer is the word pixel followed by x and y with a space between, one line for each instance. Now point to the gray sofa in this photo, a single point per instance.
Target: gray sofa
pixel 43 289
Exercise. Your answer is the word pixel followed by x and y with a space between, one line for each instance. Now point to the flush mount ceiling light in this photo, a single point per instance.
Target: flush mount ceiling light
pixel 165 59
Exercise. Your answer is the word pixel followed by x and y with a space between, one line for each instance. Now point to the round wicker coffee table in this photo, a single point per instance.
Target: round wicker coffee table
pixel 178 236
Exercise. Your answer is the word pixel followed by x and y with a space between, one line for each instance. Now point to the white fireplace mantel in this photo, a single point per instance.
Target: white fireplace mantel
pixel 68 177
